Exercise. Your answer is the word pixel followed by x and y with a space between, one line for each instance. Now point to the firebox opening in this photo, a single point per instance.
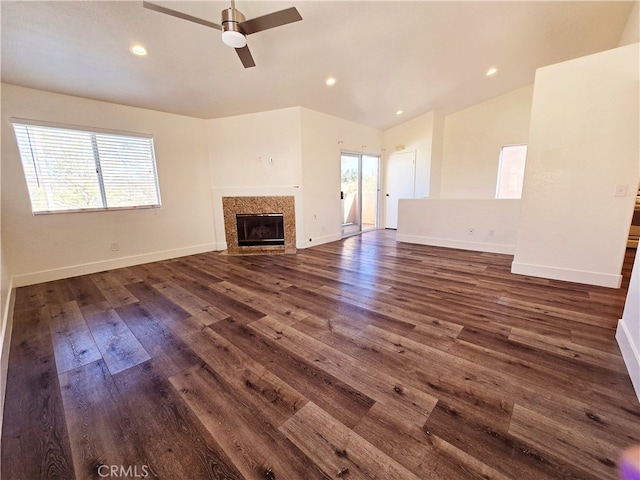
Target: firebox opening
pixel 260 229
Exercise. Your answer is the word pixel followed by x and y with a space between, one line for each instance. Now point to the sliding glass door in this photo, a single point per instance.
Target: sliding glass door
pixel 359 192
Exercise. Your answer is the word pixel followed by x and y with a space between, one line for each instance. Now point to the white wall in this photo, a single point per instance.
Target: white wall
pixel 46 247
pixel 416 135
pixel 472 141
pixel 628 332
pixel 256 150
pixel 255 154
pixel 437 156
pixel 447 223
pixel 323 138
pixel 583 142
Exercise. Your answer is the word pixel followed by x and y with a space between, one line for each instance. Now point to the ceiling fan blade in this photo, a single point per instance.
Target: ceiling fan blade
pixel 184 16
pixel 271 20
pixel 245 57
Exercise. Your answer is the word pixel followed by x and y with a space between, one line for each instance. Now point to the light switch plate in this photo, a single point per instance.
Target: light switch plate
pixel 621 190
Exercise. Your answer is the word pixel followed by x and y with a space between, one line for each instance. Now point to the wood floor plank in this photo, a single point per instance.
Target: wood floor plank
pixel 175 443
pixel 338 450
pixel 119 347
pixel 253 382
pixel 157 304
pixel 91 402
pixel 498 391
pixel 170 354
pixel 340 399
pixel 594 383
pixel 570 349
pixel 426 455
pixel 531 374
pixel 321 305
pixel 506 453
pixel 35 442
pixel 187 267
pixel 85 291
pixel 73 343
pixel 32 296
pixel 267 304
pixel 573 445
pixel 393 311
pixel 324 327
pixel 242 271
pixel 256 447
pixel 112 289
pixel 553 311
pixel 413 404
pixel 216 296
pixel 191 303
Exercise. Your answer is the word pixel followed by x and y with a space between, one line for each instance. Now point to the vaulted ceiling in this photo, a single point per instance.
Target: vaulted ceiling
pixel 386 56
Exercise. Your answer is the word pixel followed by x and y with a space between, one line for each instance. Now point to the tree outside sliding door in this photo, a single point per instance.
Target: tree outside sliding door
pixel 359 192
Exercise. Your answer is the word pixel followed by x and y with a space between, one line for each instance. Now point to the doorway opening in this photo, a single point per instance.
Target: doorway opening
pixel 360 191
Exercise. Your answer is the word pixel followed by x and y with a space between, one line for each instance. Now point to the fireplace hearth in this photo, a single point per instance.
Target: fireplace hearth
pixel 260 229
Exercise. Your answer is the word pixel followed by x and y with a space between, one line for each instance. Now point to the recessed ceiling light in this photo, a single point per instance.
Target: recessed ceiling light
pixel 399 112
pixel 492 71
pixel 137 49
pixel 330 81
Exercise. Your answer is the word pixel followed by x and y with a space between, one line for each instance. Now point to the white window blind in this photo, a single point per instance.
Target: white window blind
pixel 77 169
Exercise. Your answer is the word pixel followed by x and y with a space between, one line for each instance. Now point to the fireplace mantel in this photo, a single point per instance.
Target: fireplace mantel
pixel 232 206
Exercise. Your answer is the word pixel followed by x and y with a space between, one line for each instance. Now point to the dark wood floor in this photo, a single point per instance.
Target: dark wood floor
pixel 364 358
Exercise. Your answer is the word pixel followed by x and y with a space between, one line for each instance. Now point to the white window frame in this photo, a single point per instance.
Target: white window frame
pixel 500 170
pixel 116 152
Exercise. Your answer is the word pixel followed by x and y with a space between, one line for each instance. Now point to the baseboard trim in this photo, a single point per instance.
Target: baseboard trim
pixel 459 244
pixel 630 354
pixel 94 267
pixel 318 241
pixel 567 275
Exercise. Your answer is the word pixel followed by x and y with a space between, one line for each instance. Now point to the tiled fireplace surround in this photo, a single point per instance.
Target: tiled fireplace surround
pixel 259 205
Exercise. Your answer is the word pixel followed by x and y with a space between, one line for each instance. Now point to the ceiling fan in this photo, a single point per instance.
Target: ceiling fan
pixel 235 27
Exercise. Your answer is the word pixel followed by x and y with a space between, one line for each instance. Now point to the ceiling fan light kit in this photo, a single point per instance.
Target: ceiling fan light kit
pixel 235 27
pixel 233 38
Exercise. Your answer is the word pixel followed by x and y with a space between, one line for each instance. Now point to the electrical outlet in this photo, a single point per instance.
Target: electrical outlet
pixel 471 230
pixel 492 233
pixel 115 246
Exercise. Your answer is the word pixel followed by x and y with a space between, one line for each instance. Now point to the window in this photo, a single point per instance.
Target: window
pixel 511 171
pixel 75 169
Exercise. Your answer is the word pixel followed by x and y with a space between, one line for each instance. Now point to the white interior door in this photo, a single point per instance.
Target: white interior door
pixel 400 173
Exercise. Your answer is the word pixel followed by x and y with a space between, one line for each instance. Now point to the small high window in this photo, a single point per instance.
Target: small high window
pixel 511 171
pixel 70 169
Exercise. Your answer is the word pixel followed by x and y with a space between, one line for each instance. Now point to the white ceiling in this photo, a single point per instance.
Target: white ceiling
pixel 416 56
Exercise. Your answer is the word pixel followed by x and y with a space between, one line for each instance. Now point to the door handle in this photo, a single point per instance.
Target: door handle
pixel 341 195
pixel 387 195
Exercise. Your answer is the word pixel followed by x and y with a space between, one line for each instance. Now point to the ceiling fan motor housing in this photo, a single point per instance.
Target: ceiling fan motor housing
pixel 230 20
